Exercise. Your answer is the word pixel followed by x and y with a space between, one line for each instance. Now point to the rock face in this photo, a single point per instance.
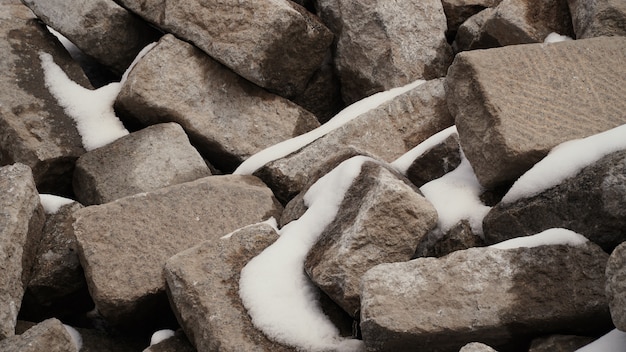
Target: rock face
pixel 34 129
pixel 380 46
pixel 155 157
pixel 226 117
pixel 383 226
pixel 483 294
pixel 49 335
pixel 203 286
pixel 124 244
pixel 476 347
pixel 598 18
pixel 472 34
pixel 590 203
pixel 458 11
pixel 508 121
pixel 176 343
pixel 275 44
pixel 615 291
pixel 102 29
pixel 435 162
pixel 21 221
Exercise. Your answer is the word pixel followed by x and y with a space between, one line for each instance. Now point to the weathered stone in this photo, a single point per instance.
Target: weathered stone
pixel 381 220
pixel 476 347
pixel 101 29
pixel 124 244
pixel 435 162
pixel 99 341
pixel 203 285
pixel 226 117
pixel 34 129
pixel 615 282
pixel 483 294
pixel 275 44
pixel 514 104
pixel 49 335
pixel 472 35
pixel 559 343
pixel 459 237
pixel 21 221
pixel 386 132
pixel 155 157
pixel 176 343
pixel 598 18
pixel 458 11
pixel 590 203
pixel 382 45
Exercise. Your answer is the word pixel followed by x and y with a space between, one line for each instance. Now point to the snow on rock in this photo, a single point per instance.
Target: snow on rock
pixel 77 339
pixel 403 163
pixel 51 203
pixel 555 38
pixel 613 341
pixel 161 335
pixel 548 237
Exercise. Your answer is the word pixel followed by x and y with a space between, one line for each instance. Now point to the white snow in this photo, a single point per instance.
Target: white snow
pixel 132 65
pixel 256 161
pixel 614 341
pixel 555 38
pixel 278 295
pixel 565 161
pixel 77 339
pixel 552 236
pixel 51 203
pixel 72 49
pixel 403 163
pixel 161 335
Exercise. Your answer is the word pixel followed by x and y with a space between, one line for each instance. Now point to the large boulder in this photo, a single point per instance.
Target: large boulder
pixel 598 18
pixel 615 286
pixel 382 45
pixel 590 203
pixel 124 244
pixel 226 117
pixel 50 335
pixel 34 129
pixel 21 222
pixel 381 220
pixel 275 44
pixel 507 121
pixel 155 157
pixel 486 295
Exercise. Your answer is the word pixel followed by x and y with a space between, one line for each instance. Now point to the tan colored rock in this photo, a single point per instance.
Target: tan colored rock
pixel 49 335
pixel 472 34
pixel 595 18
pixel 458 11
pixel 507 121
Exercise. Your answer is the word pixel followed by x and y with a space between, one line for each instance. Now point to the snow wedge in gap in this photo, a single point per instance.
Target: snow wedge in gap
pixel 556 236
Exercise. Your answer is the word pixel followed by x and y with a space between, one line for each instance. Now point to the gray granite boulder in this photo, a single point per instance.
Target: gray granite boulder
pixel 615 290
pixel 598 18
pixel 49 335
pixel 152 158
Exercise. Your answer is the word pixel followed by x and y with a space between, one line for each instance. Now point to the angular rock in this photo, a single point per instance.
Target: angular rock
pixel 203 285
pixel 21 221
pixel 483 294
pixel 459 237
pixel 615 282
pixel 101 29
pixel 472 34
pixel 512 105
pixel 275 44
pixel 34 129
pixel 226 117
pixel 386 132
pixel 381 220
pixel 598 18
pixel 49 335
pixel 382 45
pixel 590 203
pixel 458 11
pixel 476 347
pixel 155 157
pixel 124 244
pixel 559 343
pixel 435 162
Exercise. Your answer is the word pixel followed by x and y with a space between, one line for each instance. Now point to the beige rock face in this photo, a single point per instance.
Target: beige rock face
pixel 615 279
pixel 597 18
pixel 124 244
pixel 226 117
pixel 275 44
pixel 49 335
pixel 458 11
pixel 480 294
pixel 508 121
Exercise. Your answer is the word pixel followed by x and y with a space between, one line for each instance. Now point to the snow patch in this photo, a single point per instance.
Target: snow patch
pixel 77 339
pixel 553 236
pixel 271 222
pixel 51 203
pixel 161 335
pixel 403 163
pixel 615 340
pixel 555 38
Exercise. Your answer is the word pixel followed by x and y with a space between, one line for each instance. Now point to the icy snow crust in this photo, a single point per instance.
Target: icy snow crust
pixel 51 203
pixel 278 295
pixel 553 236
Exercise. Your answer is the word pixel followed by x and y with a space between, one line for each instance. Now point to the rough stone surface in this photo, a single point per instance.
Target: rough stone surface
pixel 598 18
pixel 102 29
pixel 458 11
pixel 34 129
pixel 435 162
pixel 476 347
pixel 203 285
pixel 381 220
pixel 615 282
pixel 559 343
pixel 381 45
pixel 49 335
pixel 590 203
pixel 386 132
pixel 471 34
pixel 512 105
pixel 100 341
pixel 21 222
pixel 275 44
pixel 155 157
pixel 459 237
pixel 484 294
pixel 226 117
pixel 124 244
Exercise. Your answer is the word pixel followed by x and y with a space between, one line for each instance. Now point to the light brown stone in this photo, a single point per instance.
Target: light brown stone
pixel 595 18
pixel 49 335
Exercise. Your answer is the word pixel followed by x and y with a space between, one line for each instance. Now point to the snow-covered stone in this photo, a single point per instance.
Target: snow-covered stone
pixel 49 335
pixel 275 44
pixel 124 244
pixel 479 294
pixel 226 117
pixel 21 222
pixel 598 18
pixel 152 158
pixel 176 343
pixel 382 45
pixel 435 162
pixel 381 220
pixel 615 286
pixel 514 119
